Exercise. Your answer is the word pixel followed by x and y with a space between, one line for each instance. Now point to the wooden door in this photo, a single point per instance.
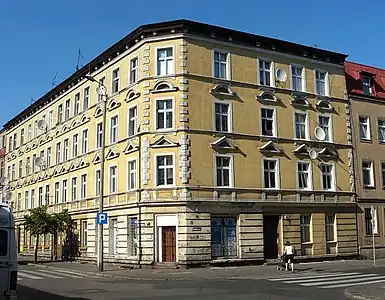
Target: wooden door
pixel 168 244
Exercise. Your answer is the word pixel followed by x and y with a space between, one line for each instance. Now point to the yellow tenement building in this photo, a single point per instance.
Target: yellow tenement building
pixel 220 146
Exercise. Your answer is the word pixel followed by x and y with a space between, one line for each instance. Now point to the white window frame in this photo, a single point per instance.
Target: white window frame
pixel 64 189
pixel 310 175
pixel 368 84
pixel 117 78
pixel 60 111
pixel 115 127
pixel 230 115
pixel 274 120
pixel 368 129
pixel 333 174
pixel 49 155
pixel 303 77
pixel 75 144
pixel 307 131
pixel 129 172
pixel 50 119
pixel 85 141
pixel 83 186
pixel 371 173
pixel 29 132
pixel 231 170
pixel 330 131
pixel 56 193
pixel 133 70
pixel 66 149
pixel 86 97
pixel 381 141
pixel 132 120
pixel 156 169
pixel 40 196
pixel 77 104
pixel 164 112
pixel 110 179
pixel 277 174
pixel 58 153
pixel 228 63
pixel 170 72
pixel 84 233
pixel 272 71
pixel 99 132
pixel 67 109
pixel 97 183
pixel 76 189
pixel 326 82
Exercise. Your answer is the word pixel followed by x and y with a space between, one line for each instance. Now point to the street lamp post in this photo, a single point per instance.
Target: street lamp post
pixel 102 92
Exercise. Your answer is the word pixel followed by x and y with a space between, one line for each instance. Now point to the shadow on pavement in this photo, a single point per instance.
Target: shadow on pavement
pixel 27 293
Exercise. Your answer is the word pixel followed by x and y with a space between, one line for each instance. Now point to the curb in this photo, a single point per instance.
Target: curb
pixel 360 296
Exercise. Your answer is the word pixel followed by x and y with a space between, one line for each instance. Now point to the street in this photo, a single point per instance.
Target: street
pixel 39 282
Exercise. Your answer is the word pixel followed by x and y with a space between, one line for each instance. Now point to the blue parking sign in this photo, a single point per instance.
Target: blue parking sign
pixel 101 218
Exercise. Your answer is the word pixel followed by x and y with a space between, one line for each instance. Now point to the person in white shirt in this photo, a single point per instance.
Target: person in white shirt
pixel 289 254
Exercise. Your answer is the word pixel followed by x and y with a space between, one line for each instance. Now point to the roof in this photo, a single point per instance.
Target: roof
pixel 178 26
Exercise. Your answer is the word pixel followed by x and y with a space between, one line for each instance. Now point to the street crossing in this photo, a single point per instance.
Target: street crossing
pixel 331 280
pixel 40 274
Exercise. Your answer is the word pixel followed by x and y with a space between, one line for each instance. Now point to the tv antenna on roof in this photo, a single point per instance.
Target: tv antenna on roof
pixel 79 55
pixel 53 80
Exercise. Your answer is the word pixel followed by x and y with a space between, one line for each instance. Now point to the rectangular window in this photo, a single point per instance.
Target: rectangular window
pixel 97 183
pixel 65 150
pixel 324 123
pixel 20 168
pixel 115 81
pixel 113 182
pixel 48 157
pixel 381 131
pixel 268 122
pixel 99 135
pixel 102 82
pixel 77 104
pixel 164 170
pixel 10 144
pixel 64 191
pixel 364 128
pixel 68 109
pixel 58 153
pixel 75 145
pixel 367 85
pixel 32 198
pixel 221 65
pixel 114 129
pixel 29 132
pixel 132 240
pixel 265 72
pixel 367 174
pixel 321 83
pixel 223 170
pixel 305 228
pixel 85 141
pixel 84 234
pixel 133 70
pixel 83 188
pixel 329 227
pixel 15 141
pixel 164 114
pixel 368 222
pixel 34 163
pixel 13 172
pixel 165 61
pixel 42 167
pixel 222 117
pixel 74 188
pixel 304 175
pixel 132 121
pixel 19 197
pixel 47 195
pixel 50 119
pixel 36 129
pixel 22 137
pixel 86 98
pixel 40 196
pixel 270 173
pixel 28 166
pixel 131 175
pixel 26 200
pixel 301 128
pixel 9 171
pixel 383 174
pixel 60 113
pixel 297 78
pixel 327 177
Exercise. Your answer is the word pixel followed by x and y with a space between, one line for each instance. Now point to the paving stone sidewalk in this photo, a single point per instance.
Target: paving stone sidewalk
pixel 369 292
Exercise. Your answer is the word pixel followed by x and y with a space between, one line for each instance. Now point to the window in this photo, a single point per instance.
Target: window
pixel 133 70
pixel 327 177
pixel 15 141
pixel 84 141
pixel 329 227
pixel 304 175
pixel 56 197
pixel 383 174
pixel 164 114
pixel 102 82
pixel 83 188
pixel 222 117
pixel 223 168
pixel 65 150
pixel 132 121
pixel 3 243
pixel 270 173
pixel 114 130
pixel 47 195
pixel 74 187
pixel 77 104
pixel 22 137
pixel 64 190
pixel 19 201
pixel 115 81
pixel 68 108
pixel 48 157
pixel 220 65
pixel 32 198
pixel 84 233
pixel 364 128
pixel 368 174
pixel 10 144
pixel 26 200
pixel 60 113
pixel 36 129
pixel 113 182
pixel 34 163
pixel 132 240
pixel 164 170
pixel 369 222
pixel 165 61
pixel 28 166
pixel 97 183
pixel 99 135
pixel 268 122
pixel 13 172
pixel 50 119
pixel 301 128
pixel 20 168
pixel 58 153
pixel 325 124
pixel 86 98
pixel 305 221
pixel 366 85
pixel 29 132
pixel 40 196
pixel 9 172
pixel 265 73
pixel 131 175
pixel 75 145
pixel 381 131
pixel 321 83
pixel 297 78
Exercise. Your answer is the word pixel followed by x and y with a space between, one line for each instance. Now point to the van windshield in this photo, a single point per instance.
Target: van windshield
pixel 3 242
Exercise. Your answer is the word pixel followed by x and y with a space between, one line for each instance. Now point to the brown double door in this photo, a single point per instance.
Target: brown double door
pixel 168 244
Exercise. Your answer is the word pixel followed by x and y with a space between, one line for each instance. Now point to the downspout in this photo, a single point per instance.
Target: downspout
pixel 139 202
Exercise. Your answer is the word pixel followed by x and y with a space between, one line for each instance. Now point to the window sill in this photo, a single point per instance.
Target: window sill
pixel 331 242
pixel 160 130
pixel 368 141
pixel 307 243
pixel 369 187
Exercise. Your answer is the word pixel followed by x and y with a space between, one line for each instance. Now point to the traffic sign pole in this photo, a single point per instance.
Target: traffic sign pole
pixel 374 216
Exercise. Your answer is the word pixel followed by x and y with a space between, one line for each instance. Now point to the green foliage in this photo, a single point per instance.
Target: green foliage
pixel 38 221
pixel 59 222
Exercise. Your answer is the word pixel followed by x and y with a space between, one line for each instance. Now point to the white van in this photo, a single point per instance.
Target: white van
pixel 8 254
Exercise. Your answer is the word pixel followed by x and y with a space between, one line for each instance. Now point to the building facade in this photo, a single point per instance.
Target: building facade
pixel 2 163
pixel 366 88
pixel 208 135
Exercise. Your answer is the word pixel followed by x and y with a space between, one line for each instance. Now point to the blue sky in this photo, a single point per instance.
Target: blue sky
pixel 41 38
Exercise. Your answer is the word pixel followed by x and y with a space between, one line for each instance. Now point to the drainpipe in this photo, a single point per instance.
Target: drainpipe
pixel 139 202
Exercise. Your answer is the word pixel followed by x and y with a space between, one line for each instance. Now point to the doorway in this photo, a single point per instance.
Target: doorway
pixel 168 244
pixel 223 237
pixel 18 239
pixel 271 236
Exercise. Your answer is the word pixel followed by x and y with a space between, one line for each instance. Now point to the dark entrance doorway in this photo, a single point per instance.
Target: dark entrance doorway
pixel 223 237
pixel 18 239
pixel 270 236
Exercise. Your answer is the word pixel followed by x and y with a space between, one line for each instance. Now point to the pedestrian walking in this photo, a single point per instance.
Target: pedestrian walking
pixel 289 254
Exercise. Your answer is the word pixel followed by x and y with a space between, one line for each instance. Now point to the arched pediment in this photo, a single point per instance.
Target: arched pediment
pixel 113 104
pixel 163 86
pixel 324 105
pixel 300 101
pixel 98 112
pixel 132 95
pixel 267 96
pixel 222 89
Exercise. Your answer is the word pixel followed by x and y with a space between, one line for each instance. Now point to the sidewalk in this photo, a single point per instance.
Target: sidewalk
pixel 369 292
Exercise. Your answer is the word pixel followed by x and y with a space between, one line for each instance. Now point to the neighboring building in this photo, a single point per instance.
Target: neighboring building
pixel 366 88
pixel 2 162
pixel 208 138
